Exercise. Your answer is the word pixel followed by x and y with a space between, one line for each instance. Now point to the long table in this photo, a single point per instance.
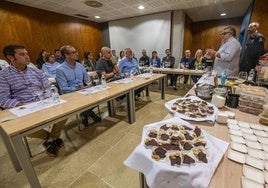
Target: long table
pixel 14 130
pixel 229 173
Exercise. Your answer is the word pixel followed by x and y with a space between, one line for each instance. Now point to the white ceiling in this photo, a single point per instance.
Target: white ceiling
pixel 197 10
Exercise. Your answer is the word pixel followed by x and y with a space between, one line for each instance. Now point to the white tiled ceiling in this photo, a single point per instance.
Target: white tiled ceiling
pixel 197 10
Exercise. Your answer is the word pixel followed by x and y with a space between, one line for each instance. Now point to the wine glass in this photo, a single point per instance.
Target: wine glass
pixel 243 75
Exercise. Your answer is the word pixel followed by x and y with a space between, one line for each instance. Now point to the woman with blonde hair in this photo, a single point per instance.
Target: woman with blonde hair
pixel 199 63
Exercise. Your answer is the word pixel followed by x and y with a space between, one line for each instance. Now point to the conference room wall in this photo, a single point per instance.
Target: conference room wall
pixel 39 29
pixel 206 34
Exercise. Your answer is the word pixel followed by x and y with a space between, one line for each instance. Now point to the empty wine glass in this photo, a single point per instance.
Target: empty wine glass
pixel 243 75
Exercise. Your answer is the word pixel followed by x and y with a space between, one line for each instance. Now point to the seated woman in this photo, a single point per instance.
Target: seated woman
pixel 50 65
pixel 89 63
pixel 155 60
pixel 199 63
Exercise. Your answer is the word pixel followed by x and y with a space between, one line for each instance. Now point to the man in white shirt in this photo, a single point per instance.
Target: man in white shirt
pixel 3 64
pixel 228 55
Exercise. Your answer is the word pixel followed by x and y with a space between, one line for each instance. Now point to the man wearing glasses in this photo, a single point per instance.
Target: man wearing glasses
pixel 253 49
pixel 228 55
pixel 72 76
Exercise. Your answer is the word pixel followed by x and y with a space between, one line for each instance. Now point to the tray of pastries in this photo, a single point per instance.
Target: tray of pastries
pixel 177 144
pixel 192 108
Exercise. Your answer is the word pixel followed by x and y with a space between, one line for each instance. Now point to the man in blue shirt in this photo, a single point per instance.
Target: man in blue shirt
pixel 72 76
pixel 186 63
pixel 128 65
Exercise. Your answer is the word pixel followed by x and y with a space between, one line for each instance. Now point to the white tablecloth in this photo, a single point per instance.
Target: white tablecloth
pixel 162 175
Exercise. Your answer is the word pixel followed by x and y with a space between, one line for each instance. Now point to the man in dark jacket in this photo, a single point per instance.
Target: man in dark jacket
pixel 253 49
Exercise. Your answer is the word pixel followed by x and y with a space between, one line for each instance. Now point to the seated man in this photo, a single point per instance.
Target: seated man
pixel 105 66
pixel 186 63
pixel 130 64
pixel 72 76
pixel 169 62
pixel 16 88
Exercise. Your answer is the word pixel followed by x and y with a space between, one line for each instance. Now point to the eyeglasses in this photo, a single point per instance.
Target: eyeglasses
pixel 224 33
pixel 73 52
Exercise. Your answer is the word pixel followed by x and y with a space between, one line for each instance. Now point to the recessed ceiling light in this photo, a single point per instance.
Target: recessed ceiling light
pixel 97 17
pixel 223 14
pixel 94 4
pixel 141 7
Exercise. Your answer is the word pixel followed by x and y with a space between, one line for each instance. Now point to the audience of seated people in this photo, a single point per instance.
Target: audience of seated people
pixel 88 62
pixel 168 62
pixel 19 84
pixel 71 76
pixel 198 63
pixel 144 59
pixel 50 65
pixel 58 56
pixel 155 60
pixel 186 63
pixel 41 59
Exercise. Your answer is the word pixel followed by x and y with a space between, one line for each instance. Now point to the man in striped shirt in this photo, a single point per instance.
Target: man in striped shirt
pixel 19 84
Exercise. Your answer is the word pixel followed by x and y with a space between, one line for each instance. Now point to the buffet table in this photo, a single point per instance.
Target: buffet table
pixel 13 128
pixel 228 173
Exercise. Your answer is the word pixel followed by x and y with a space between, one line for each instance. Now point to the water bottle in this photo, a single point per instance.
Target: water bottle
pixel 54 94
pixel 151 69
pixel 251 75
pixel 132 75
pixel 223 77
pixel 103 81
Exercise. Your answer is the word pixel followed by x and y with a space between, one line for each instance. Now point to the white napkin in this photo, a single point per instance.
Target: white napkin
pixel 92 90
pixel 162 175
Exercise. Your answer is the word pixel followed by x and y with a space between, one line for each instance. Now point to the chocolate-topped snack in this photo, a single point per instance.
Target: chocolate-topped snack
pixel 164 136
pixel 202 157
pixel 159 153
pixel 187 159
pixel 197 131
pixel 175 159
pixel 151 142
pixel 193 108
pixel 187 145
pixel 188 136
pixel 164 127
pixel 153 133
pixel 200 143
pixel 184 127
pixel 200 154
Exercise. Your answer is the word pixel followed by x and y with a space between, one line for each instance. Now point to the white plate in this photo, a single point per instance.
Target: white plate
pixel 233 126
pixel 243 124
pixel 231 121
pixel 250 137
pixel 212 117
pixel 266 155
pixel 262 140
pixel 265 128
pixel 247 183
pixel 256 153
pixel 257 163
pixel 260 133
pixel 235 132
pixel 246 130
pixel 265 173
pixel 266 165
pixel 237 139
pixel 239 147
pixel 256 126
pixel 253 144
pixel 253 174
pixel 265 147
pixel 236 156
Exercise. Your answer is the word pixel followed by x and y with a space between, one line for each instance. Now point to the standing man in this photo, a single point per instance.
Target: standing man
pixel 19 84
pixel 228 55
pixel 186 63
pixel 253 49
pixel 72 76
pixel 169 62
pixel 144 59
